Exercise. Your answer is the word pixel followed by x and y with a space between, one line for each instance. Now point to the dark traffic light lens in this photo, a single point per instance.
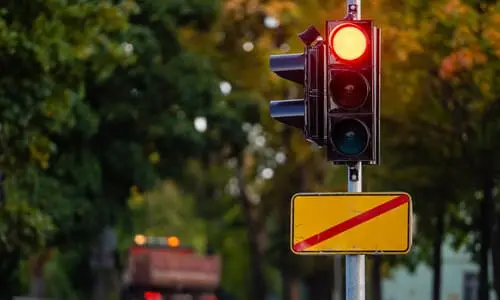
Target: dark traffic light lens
pixel 349 89
pixel 350 137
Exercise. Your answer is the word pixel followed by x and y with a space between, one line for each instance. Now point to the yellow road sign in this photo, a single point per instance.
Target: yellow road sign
pixel 351 223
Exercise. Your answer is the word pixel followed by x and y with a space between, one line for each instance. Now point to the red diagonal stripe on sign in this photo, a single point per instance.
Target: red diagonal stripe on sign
pixel 350 223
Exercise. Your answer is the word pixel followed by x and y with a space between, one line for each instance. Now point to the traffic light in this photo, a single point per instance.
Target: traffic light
pixel 353 95
pixel 316 126
pixel 309 69
pixel 291 67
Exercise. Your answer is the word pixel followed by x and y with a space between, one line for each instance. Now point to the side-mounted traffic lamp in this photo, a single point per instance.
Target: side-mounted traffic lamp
pixel 308 69
pixel 290 67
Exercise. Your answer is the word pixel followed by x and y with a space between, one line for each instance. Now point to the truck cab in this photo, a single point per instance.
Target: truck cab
pixel 161 268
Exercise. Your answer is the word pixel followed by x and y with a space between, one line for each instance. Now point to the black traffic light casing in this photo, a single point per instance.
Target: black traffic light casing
pixel 290 67
pixel 353 93
pixel 316 125
pixel 309 69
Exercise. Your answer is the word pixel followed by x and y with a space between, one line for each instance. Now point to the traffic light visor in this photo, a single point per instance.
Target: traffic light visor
pixel 350 136
pixel 348 42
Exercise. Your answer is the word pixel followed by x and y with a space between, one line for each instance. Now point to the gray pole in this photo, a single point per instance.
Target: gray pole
pixel 354 9
pixel 354 264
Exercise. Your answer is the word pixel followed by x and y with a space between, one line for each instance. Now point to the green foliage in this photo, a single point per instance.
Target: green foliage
pixel 58 283
pixel 24 229
pixel 166 211
pixel 89 96
pixel 45 58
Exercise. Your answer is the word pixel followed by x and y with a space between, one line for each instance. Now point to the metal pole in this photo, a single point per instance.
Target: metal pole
pixel 354 9
pixel 354 264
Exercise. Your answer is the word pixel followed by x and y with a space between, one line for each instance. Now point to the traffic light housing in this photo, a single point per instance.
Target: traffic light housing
pixel 290 67
pixel 309 69
pixel 353 95
pixel 316 126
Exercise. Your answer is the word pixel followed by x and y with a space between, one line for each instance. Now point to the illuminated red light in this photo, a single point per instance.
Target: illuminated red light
pixel 348 42
pixel 152 296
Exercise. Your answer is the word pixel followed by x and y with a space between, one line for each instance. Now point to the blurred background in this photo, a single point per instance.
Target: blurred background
pixel 151 117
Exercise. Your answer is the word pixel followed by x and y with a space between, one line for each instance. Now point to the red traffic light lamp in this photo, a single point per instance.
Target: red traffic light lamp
pixel 348 42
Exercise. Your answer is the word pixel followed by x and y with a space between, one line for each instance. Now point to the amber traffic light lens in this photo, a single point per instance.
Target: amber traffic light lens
pixel 350 136
pixel 349 89
pixel 348 42
pixel 173 241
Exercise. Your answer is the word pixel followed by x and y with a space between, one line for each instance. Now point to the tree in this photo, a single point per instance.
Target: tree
pixel 469 85
pixel 455 85
pixel 45 57
pixel 95 123
pixel 146 110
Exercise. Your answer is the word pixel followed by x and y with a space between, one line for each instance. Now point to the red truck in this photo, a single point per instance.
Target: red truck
pixel 159 268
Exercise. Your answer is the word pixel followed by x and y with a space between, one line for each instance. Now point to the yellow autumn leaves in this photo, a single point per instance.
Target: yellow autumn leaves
pixel 461 60
pixel 475 36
